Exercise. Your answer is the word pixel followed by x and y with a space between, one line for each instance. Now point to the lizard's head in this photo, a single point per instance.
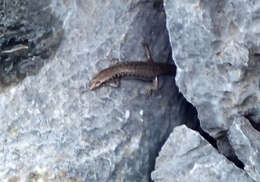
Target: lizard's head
pixel 98 80
pixel 101 78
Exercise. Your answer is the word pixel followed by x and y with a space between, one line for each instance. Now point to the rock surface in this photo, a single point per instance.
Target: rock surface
pixel 53 128
pixel 213 44
pixel 216 49
pixel 29 34
pixel 186 156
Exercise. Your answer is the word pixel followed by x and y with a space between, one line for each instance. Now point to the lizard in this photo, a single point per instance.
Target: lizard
pixel 148 70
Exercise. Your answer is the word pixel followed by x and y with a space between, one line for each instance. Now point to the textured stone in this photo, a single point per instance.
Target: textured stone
pixel 246 142
pixel 216 49
pixel 213 44
pixel 186 156
pixel 53 128
pixel 29 34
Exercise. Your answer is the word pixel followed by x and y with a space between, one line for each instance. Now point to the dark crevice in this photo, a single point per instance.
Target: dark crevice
pixel 221 143
pixel 225 148
pixel 190 114
pixel 236 161
pixel 194 123
pixel 207 137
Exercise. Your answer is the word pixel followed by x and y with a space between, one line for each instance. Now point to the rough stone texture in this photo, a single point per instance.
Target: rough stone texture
pixel 216 48
pixel 29 34
pixel 213 45
pixel 53 128
pixel 186 157
pixel 246 142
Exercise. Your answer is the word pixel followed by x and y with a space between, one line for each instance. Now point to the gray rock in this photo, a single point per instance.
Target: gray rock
pixel 29 34
pixel 186 156
pixel 246 142
pixel 52 128
pixel 216 50
pixel 214 45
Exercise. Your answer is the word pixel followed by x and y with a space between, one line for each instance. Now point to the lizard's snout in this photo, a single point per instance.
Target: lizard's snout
pixel 94 84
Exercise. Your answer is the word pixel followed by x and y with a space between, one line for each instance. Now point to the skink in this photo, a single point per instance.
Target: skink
pixel 148 70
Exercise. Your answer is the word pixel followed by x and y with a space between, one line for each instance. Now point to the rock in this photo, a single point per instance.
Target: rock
pixel 29 34
pixel 53 128
pixel 245 141
pixel 214 46
pixel 186 156
pixel 216 50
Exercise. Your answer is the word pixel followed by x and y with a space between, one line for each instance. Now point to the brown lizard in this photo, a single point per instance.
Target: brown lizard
pixel 148 70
